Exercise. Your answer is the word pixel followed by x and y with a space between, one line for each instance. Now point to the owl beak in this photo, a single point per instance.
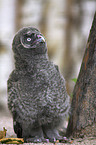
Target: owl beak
pixel 40 38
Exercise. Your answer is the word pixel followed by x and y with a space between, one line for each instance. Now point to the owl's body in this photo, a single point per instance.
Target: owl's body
pixel 37 95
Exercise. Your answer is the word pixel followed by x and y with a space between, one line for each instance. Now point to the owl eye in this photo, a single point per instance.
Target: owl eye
pixel 29 39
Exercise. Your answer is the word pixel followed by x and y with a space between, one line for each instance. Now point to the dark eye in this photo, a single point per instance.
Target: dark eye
pixel 28 39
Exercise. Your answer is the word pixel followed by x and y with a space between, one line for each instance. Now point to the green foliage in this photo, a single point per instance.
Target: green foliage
pixel 74 80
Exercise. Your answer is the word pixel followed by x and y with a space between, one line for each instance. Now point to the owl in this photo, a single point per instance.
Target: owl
pixel 37 96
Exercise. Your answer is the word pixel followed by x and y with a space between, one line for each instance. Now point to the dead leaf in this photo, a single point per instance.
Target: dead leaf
pixel 3 133
pixel 12 140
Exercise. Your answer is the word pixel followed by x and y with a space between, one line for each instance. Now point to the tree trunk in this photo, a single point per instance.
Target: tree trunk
pixel 44 16
pixel 82 121
pixel 18 14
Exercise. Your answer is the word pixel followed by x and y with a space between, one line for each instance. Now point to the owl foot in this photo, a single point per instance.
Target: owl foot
pixel 52 134
pixel 34 140
pixel 34 135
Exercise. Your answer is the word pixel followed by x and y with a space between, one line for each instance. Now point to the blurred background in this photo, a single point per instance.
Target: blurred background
pixel 65 24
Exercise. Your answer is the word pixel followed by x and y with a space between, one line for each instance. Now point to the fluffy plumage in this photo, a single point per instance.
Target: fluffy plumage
pixel 37 95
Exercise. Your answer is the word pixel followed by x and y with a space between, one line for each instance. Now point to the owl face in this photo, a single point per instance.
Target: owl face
pixel 31 38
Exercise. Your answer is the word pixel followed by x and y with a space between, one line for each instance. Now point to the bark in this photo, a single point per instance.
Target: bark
pixel 82 120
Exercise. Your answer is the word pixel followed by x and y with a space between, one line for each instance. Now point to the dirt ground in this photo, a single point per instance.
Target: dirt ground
pixel 6 121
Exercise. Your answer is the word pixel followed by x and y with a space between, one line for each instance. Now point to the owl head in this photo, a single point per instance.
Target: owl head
pixel 29 40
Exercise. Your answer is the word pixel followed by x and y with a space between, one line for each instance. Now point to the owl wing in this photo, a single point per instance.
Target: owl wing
pixel 11 90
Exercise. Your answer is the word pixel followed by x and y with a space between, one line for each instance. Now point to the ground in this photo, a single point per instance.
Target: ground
pixel 6 121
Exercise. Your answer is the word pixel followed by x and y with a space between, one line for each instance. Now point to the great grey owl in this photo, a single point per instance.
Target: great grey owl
pixel 37 96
